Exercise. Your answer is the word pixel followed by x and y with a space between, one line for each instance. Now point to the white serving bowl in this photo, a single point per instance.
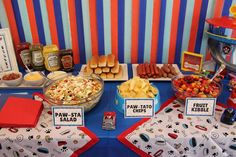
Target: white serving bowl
pixel 12 82
pixel 34 79
pixel 55 75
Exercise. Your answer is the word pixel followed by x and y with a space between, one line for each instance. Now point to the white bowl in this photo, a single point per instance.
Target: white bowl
pixel 14 82
pixel 32 80
pixel 55 75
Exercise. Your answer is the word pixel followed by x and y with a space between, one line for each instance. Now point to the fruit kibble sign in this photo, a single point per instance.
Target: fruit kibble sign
pixel 200 106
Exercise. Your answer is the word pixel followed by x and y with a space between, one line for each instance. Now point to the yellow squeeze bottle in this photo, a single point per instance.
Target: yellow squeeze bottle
pixel 51 57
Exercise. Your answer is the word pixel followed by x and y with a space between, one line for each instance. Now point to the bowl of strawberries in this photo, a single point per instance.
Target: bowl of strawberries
pixel 193 85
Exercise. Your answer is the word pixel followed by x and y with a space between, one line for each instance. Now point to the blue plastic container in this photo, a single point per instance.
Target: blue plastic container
pixel 119 101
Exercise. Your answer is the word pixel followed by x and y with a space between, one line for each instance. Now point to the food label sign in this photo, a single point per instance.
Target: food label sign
pixel 68 115
pixel 139 108
pixel 200 106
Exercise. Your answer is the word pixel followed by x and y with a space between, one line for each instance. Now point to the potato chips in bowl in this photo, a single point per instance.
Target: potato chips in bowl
pixel 136 88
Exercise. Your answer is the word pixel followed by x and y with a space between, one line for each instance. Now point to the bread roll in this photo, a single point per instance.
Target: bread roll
pixel 94 62
pixel 98 71
pixel 111 60
pixel 110 76
pixel 102 61
pixel 120 73
pixel 115 69
pixel 103 75
pixel 88 70
pixel 106 70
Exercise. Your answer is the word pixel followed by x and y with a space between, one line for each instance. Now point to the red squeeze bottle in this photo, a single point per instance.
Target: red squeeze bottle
pixel 23 55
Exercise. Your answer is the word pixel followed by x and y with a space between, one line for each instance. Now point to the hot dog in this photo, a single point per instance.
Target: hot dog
pixel 152 69
pixel 139 70
pixel 148 70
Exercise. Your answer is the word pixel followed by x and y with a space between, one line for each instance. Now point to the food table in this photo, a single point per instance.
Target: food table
pixel 108 145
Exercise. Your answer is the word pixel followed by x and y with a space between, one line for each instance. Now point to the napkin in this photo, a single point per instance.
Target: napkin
pixel 20 112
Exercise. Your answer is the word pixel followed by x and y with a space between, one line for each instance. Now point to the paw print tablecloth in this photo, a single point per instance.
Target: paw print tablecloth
pixel 170 133
pixel 45 140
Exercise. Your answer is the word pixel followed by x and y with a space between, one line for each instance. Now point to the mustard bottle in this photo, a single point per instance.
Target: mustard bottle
pixel 51 57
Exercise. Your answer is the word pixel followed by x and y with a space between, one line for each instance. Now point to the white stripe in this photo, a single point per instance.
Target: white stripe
pixel 107 25
pixel 210 12
pixel 45 22
pixel 3 16
pixel 87 32
pixel 66 23
pixel 25 20
pixel 187 24
pixel 166 39
pixel 127 31
pixel 148 31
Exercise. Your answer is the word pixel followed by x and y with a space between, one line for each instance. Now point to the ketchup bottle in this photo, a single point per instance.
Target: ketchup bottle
pixel 23 55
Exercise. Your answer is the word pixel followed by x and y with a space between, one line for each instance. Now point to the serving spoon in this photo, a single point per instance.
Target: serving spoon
pixel 222 67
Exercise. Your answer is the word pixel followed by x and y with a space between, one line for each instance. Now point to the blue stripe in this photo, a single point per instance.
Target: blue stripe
pixel 141 33
pixel 225 11
pixel 39 21
pixel 127 31
pixel 100 26
pixel 161 31
pixel 227 5
pixel 148 31
pixel 182 11
pixel 201 24
pixel 3 16
pixel 60 30
pixel 80 29
pixel 18 20
pixel 121 29
pixel 45 21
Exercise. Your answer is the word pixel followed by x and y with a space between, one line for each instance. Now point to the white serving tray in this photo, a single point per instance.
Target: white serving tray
pixel 125 76
pixel 134 67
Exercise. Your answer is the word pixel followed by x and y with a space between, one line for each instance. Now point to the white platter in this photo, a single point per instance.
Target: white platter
pixel 134 67
pixel 125 76
pixel 23 85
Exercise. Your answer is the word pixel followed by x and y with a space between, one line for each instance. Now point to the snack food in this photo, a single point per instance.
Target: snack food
pixel 151 70
pixel 107 67
pixel 11 76
pixel 137 88
pixel 73 89
pixel 195 86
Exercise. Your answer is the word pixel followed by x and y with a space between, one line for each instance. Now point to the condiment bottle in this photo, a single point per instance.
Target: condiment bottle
pixel 51 57
pixel 23 55
pixel 37 57
pixel 66 58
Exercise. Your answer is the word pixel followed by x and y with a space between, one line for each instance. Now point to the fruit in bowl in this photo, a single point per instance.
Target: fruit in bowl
pixel 195 86
pixel 13 78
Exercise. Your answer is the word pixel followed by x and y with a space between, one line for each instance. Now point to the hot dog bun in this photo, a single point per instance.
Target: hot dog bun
pixel 115 69
pixel 94 62
pixel 110 76
pixel 102 62
pixel 111 60
pixel 120 73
